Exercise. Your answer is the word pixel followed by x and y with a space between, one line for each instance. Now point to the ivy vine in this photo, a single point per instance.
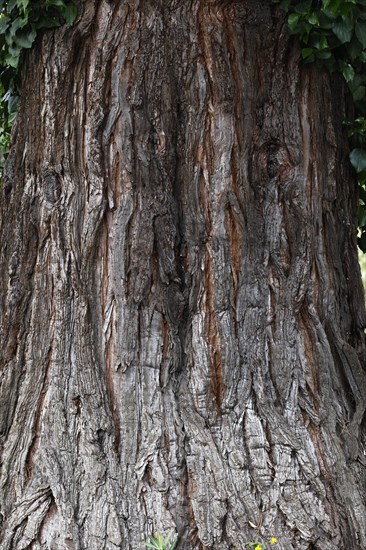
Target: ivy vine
pixel 333 34
pixel 20 22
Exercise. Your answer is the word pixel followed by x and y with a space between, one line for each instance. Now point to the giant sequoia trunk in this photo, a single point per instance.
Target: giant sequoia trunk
pixel 182 342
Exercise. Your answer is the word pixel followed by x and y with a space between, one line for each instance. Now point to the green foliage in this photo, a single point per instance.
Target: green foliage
pixel 333 33
pixel 20 22
pixel 260 545
pixel 357 131
pixel 160 543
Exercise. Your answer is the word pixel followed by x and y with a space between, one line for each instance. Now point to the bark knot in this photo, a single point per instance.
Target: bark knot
pixel 51 186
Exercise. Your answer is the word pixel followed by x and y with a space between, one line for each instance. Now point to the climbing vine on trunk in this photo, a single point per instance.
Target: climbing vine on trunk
pixel 333 33
pixel 20 21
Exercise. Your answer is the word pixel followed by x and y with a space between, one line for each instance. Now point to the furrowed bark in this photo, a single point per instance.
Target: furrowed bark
pixel 182 316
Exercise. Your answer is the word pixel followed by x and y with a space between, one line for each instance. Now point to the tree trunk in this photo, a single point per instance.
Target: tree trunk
pixel 182 342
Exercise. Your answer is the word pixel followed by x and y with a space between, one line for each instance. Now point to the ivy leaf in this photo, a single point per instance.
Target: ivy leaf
pixel 323 42
pixel 362 242
pixel 331 5
pixel 69 13
pixel 18 23
pixel 307 52
pixel 362 216
pixel 10 5
pixel 362 193
pixel 360 30
pixel 293 20
pixel 326 21
pixel 313 19
pixel 358 159
pixel 359 93
pixel 343 31
pixel 12 60
pixel 354 49
pixel 25 40
pixel 325 54
pixel 4 23
pixel 347 70
pixel 13 101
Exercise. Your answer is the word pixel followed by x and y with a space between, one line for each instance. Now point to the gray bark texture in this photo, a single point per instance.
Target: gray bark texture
pixel 181 331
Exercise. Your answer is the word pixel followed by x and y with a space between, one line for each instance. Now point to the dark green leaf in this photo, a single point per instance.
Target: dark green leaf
pixel 359 93
pixel 69 13
pixel 13 102
pixel 331 6
pixel 362 193
pixel 358 159
pixel 12 60
pixel 10 5
pixel 323 54
pixel 18 23
pixel 4 23
pixel 354 49
pixel 343 31
pixel 25 40
pixel 293 20
pixel 313 19
pixel 360 30
pixel 307 52
pixel 347 70
pixel 362 242
pixel 362 216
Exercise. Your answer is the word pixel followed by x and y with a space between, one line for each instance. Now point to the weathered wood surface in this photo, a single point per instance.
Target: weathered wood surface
pixel 182 342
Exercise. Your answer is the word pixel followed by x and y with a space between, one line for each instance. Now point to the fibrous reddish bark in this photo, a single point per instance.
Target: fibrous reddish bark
pixel 182 316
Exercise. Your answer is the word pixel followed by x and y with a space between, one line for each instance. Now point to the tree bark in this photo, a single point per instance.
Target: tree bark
pixel 182 343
